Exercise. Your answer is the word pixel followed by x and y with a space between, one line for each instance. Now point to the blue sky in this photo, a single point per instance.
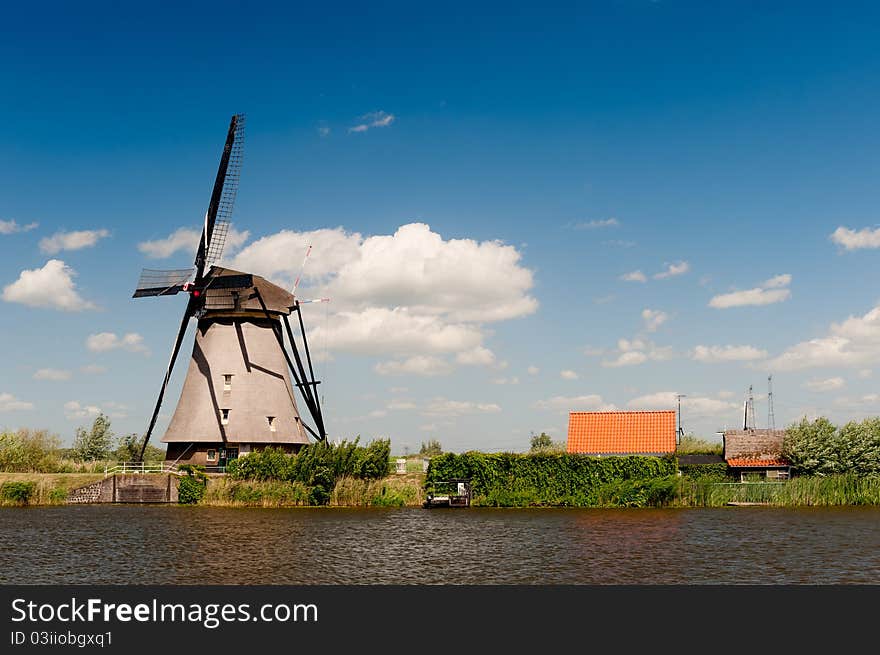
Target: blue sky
pixel 516 210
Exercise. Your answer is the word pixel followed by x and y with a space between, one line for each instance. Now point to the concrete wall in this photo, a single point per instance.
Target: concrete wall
pixel 128 488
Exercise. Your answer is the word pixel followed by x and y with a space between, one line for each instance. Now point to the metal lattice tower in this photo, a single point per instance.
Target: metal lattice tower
pixel 771 418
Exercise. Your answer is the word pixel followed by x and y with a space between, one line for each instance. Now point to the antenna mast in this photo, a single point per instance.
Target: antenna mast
pixel 678 397
pixel 749 414
pixel 771 418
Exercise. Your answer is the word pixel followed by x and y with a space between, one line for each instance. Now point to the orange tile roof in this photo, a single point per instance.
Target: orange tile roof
pixel 744 461
pixel 600 433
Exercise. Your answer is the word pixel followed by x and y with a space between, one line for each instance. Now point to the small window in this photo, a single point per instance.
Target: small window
pixel 271 420
pixel 212 455
pixel 227 382
pixel 224 416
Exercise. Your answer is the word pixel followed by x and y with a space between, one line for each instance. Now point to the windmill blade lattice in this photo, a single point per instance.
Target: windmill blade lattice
pixel 227 197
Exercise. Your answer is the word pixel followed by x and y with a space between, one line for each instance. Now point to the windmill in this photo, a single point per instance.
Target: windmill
pixel 238 395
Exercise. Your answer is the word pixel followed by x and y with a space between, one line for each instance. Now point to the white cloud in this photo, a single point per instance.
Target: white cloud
pixel 865 373
pixel 379 330
pixel 104 341
pixel 187 240
pixel 71 240
pixel 400 405
pixel 512 380
pixel 632 352
pixel 692 405
pixel 11 227
pixel 575 403
pixel 406 294
pixel 589 351
pixel 632 358
pixel 93 369
pixel 830 384
pixel 479 356
pixel 323 131
pixel 634 276
pixel 568 375
pixel 373 119
pixel 423 365
pixel 619 243
pixel 858 402
pixel 653 319
pixel 591 225
pixel 853 240
pixel 51 286
pixel 9 403
pixel 73 410
pixel 771 291
pixel 853 343
pixel 533 370
pixel 679 268
pixel 715 354
pixel 444 407
pixel 54 374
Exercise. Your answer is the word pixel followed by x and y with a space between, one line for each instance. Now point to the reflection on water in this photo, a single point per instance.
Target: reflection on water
pixel 130 544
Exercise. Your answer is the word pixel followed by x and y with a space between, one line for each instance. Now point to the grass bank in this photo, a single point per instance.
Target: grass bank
pixel 804 491
pixel 41 488
pixel 399 490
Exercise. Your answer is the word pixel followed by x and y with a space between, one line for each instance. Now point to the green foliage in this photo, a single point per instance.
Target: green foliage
pixel 323 460
pixel 541 478
pixel 190 490
pixel 541 441
pixel 128 449
pixel 58 496
pixel 29 451
pixel 691 445
pixel 17 493
pixel 431 449
pixel 96 442
pixel 705 472
pixel 819 448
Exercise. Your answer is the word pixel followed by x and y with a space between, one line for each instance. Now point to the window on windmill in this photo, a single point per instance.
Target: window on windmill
pixel 271 420
pixel 212 455
pixel 227 382
pixel 224 416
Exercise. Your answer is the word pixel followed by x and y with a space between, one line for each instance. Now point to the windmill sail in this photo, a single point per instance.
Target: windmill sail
pixel 157 282
pixel 219 212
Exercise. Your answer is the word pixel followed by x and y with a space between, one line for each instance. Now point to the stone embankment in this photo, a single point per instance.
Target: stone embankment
pixel 128 488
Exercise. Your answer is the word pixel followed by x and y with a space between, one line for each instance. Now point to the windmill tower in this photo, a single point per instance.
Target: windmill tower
pixel 238 394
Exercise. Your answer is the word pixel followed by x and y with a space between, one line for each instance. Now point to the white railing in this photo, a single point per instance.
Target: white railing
pixel 140 467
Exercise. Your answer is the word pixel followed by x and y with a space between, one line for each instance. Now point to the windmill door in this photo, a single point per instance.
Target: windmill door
pixel 227 455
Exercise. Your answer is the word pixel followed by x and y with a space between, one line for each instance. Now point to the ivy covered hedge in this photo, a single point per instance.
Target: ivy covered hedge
pixel 563 479
pixel 705 472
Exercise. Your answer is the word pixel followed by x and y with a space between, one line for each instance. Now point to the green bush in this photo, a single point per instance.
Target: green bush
pixel 190 490
pixel 819 448
pixel 553 479
pixel 17 493
pixel 328 460
pixel 29 451
pixel 705 472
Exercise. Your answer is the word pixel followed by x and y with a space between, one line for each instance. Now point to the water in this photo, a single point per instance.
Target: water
pixel 127 544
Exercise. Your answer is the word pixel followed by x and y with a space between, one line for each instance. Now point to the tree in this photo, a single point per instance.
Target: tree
pixel 431 448
pixel 541 441
pixel 95 443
